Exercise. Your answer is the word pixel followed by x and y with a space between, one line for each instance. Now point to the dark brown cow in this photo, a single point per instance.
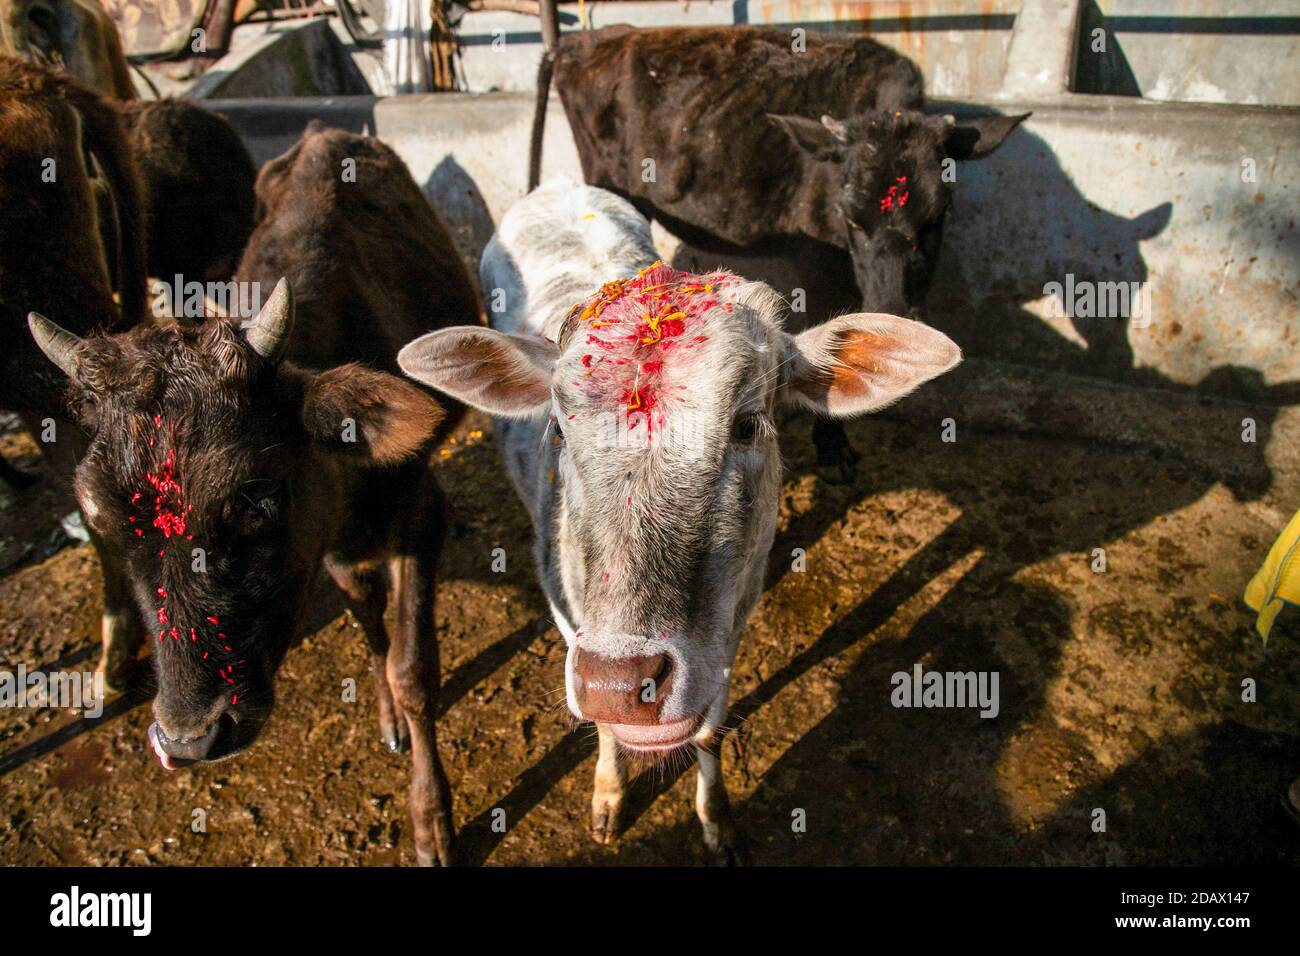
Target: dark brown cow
pixel 228 464
pixel 71 237
pixel 743 141
pixel 199 180
pixel 197 174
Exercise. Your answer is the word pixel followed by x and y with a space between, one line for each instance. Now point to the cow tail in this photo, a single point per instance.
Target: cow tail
pixel 550 17
pixel 544 71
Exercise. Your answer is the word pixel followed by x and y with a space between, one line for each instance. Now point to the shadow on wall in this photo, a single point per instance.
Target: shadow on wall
pixel 978 295
pixel 454 194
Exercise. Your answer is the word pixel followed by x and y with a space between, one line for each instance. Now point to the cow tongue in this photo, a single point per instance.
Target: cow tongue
pixel 168 761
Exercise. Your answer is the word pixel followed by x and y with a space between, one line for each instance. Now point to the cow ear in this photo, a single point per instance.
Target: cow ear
pixel 860 363
pixel 377 418
pixel 818 138
pixel 496 372
pixel 976 138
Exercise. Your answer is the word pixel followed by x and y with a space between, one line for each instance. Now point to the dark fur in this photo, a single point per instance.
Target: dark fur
pixel 65 248
pixel 277 490
pixel 707 106
pixel 721 165
pixel 199 178
pixel 53 251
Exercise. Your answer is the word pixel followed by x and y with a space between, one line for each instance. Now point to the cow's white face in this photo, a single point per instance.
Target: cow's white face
pixel 666 471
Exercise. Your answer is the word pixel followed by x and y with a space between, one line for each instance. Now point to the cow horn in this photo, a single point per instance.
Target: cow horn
pixel 268 334
pixel 59 345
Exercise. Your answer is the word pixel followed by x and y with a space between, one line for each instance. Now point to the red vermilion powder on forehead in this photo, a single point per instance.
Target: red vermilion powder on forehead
pixel 169 503
pixel 896 196
pixel 171 518
pixel 634 326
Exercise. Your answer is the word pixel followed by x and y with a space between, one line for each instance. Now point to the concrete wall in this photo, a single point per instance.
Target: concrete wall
pixel 961 45
pixel 1107 190
pixel 1205 51
pixel 294 58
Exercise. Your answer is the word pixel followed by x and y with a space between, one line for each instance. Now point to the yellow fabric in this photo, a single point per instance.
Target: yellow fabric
pixel 1277 582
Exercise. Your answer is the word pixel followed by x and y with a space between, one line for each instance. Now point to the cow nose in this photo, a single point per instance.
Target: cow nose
pixel 192 737
pixel 621 690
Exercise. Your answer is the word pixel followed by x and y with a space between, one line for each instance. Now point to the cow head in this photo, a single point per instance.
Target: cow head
pixel 888 196
pixel 660 471
pixel 217 474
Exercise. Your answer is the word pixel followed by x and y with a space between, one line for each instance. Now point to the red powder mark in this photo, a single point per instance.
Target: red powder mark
pixel 170 517
pixel 646 316
pixel 896 197
pixel 169 505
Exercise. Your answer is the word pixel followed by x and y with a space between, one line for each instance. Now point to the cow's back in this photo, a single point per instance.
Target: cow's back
pixel 694 103
pixel 71 228
pixel 553 249
pixel 371 263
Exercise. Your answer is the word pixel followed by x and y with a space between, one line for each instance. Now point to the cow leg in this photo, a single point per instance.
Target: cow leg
pixel 366 591
pixel 835 454
pixel 611 784
pixel 121 631
pixel 413 674
pixel 712 805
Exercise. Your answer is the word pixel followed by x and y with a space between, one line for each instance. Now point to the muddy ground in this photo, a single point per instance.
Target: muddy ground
pixel 1120 691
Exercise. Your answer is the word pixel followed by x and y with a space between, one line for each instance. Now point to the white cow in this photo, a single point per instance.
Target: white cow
pixel 634 409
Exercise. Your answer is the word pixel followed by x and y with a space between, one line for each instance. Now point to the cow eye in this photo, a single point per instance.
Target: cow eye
pixel 745 428
pixel 262 508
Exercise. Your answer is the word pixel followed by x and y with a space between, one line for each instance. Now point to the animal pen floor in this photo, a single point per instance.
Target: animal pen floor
pixel 1120 691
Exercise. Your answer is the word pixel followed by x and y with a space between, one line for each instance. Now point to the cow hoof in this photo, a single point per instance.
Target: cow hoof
pixel 604 821
pixel 724 845
pixel 395 734
pixel 442 856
